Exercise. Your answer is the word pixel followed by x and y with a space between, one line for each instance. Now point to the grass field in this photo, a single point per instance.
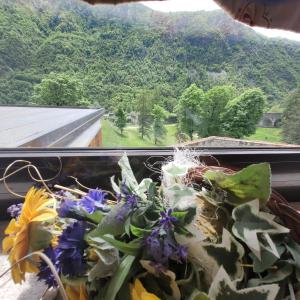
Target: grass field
pixel 111 137
pixel 131 138
pixel 267 135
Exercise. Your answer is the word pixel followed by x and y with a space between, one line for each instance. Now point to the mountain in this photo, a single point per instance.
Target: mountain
pixel 118 50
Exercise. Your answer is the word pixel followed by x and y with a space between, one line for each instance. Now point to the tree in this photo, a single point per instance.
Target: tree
pixel 144 109
pixel 291 118
pixel 59 90
pixel 216 101
pixel 190 111
pixel 243 113
pixel 159 116
pixel 121 119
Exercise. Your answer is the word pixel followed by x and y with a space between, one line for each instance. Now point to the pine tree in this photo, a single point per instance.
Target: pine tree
pixel 159 130
pixel 121 119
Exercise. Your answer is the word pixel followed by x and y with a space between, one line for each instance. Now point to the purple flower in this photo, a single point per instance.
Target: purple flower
pixel 45 273
pixel 70 250
pixel 131 202
pixel 94 200
pixel 167 219
pixel 160 247
pixel 15 210
pixel 66 208
pixel 181 252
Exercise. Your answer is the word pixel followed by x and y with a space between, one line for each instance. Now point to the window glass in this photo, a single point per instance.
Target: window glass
pixel 144 75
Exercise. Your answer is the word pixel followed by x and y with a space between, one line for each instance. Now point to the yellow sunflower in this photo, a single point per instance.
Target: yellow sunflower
pixel 35 209
pixel 138 292
pixel 78 292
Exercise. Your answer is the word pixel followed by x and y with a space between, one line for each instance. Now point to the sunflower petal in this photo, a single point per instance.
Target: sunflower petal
pixel 139 287
pixel 7 244
pixel 44 214
pixel 12 227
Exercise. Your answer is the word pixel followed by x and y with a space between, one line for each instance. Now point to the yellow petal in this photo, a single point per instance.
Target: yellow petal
pixel 148 296
pixel 12 227
pixel 43 215
pixel 83 293
pixel 133 293
pixel 139 287
pixel 7 243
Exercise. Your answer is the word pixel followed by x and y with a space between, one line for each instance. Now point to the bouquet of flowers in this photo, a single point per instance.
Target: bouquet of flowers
pixel 201 233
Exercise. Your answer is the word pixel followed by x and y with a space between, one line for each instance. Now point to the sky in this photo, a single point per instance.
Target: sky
pixel 194 5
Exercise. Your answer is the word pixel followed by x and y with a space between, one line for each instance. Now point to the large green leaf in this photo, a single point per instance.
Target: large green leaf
pixel 222 288
pixel 249 222
pixel 108 259
pixel 282 270
pixel 39 236
pixel 127 173
pixel 110 224
pixel 252 182
pixel 131 248
pixel 228 254
pixel 119 277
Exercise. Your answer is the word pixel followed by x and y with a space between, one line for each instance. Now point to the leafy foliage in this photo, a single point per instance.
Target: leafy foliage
pixel 252 182
pixel 243 113
pixel 190 111
pixel 291 118
pixel 159 116
pixel 115 52
pixel 59 90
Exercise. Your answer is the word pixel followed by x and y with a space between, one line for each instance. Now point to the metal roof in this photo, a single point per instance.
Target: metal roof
pixel 44 126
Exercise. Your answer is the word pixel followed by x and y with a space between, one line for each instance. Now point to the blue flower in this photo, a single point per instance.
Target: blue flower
pixel 167 219
pixel 94 200
pixel 45 273
pixel 70 250
pixel 15 210
pixel 66 208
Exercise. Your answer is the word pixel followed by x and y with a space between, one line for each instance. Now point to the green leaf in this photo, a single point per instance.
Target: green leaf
pixel 110 224
pixel 127 173
pixel 39 236
pixel 108 259
pixel 267 260
pixel 249 222
pixel 139 232
pixel 96 217
pixel 222 288
pixel 197 295
pixel 228 254
pixel 186 216
pixel 119 277
pixel 252 182
pixel 131 248
pixel 281 271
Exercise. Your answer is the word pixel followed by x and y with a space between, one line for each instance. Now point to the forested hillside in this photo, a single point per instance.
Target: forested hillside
pixel 115 52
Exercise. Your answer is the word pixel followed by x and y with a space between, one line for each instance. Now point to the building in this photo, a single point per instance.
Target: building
pixel 226 142
pixel 50 127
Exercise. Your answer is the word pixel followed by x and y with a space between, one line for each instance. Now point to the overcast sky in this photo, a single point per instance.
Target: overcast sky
pixel 194 5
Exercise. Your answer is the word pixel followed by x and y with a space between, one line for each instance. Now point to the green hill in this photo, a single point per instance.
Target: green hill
pixel 117 50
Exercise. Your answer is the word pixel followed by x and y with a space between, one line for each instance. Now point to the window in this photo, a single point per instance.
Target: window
pixel 136 75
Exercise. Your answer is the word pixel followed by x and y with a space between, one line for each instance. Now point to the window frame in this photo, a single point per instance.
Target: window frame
pixel 94 167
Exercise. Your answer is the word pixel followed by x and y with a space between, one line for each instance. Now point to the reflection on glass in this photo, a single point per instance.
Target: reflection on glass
pixel 74 75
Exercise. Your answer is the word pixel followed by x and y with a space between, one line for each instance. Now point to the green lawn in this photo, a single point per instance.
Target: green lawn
pixel 266 134
pixel 131 138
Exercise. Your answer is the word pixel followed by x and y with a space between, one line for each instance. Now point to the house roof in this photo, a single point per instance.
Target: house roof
pixel 45 126
pixel 218 141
